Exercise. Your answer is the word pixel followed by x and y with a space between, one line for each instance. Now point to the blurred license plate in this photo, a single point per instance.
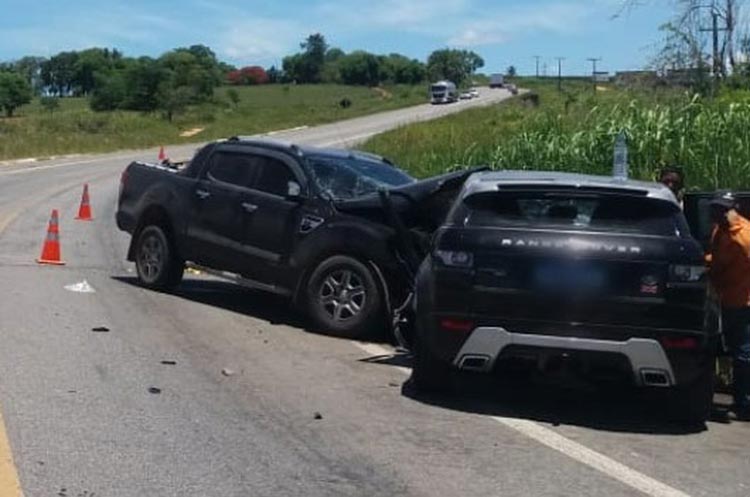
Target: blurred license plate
pixel 568 278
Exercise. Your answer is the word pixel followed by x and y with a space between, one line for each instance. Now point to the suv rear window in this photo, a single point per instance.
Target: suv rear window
pixel 576 211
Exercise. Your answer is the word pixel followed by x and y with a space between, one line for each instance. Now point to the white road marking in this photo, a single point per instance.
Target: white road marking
pixel 576 451
pixel 280 131
pixel 80 287
pixel 62 164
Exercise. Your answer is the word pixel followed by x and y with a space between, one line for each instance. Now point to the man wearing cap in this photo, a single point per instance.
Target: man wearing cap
pixel 729 262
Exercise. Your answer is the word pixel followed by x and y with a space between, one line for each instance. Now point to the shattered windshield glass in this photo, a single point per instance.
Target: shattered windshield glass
pixel 344 178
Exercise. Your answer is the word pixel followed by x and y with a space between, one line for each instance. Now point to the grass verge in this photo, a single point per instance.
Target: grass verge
pixel 74 128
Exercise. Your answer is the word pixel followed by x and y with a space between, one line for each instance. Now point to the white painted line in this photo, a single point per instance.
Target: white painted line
pixel 80 287
pixel 288 130
pixel 62 164
pixel 545 436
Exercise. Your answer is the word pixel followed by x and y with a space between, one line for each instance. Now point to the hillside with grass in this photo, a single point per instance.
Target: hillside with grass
pixel 575 130
pixel 73 127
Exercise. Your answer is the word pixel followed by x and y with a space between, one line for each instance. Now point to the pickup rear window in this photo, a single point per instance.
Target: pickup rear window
pixel 576 211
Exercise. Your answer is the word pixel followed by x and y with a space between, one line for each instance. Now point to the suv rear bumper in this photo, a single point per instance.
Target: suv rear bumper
pixel 650 364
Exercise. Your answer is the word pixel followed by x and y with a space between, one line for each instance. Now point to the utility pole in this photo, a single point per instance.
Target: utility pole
pixel 559 72
pixel 593 61
pixel 714 29
pixel 544 70
pixel 537 66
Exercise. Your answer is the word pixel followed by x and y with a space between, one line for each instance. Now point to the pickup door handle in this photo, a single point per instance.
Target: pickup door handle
pixel 203 194
pixel 249 208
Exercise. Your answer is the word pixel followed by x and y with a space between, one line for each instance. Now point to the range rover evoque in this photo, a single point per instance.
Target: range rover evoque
pixel 544 271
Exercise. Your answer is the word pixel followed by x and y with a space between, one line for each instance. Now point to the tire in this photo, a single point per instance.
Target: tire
pixel 343 298
pixel 429 375
pixel 156 261
pixel 692 404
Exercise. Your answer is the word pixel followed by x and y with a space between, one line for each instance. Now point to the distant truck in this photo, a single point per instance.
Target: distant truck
pixel 443 92
pixel 497 81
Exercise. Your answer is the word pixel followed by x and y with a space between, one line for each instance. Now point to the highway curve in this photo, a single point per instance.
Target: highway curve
pixel 220 391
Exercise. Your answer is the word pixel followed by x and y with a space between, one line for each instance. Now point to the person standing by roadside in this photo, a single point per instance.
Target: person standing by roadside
pixel 729 272
pixel 674 179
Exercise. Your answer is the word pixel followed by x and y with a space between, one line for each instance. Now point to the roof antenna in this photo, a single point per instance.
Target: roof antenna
pixel 620 162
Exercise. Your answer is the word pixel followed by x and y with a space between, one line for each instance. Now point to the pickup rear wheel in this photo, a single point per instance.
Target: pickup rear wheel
pixel 156 261
pixel 343 298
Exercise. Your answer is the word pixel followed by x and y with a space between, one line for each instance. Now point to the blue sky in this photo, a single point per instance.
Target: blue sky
pixel 248 32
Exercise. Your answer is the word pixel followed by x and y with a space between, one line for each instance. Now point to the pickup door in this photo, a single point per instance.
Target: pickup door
pixel 243 220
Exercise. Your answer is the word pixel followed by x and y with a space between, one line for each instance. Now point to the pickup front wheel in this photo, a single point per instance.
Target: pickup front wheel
pixel 343 298
pixel 156 261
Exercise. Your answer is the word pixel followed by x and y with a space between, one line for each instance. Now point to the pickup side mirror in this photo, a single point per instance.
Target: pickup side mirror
pixel 293 190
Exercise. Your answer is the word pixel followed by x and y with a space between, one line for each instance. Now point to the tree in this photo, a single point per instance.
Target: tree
pixel 142 81
pixel 307 66
pixel 252 75
pixel 14 92
pixel 274 75
pixel 511 71
pixel 58 73
pixel 30 67
pixel 334 54
pixel 110 92
pixel 399 69
pixel 174 100
pixel 453 65
pixel 90 63
pixel 360 68
pixel 692 17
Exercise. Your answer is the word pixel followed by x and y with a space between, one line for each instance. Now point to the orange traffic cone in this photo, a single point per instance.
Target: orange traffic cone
pixel 84 211
pixel 162 155
pixel 51 248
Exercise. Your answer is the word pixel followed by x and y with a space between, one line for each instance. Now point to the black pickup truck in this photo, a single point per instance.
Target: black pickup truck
pixel 312 224
pixel 565 273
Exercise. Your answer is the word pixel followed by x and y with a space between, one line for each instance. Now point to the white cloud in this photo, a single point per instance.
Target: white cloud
pixel 498 27
pixel 259 40
pixel 411 15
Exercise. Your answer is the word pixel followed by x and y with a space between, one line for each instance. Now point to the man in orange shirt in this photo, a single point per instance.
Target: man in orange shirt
pixel 729 271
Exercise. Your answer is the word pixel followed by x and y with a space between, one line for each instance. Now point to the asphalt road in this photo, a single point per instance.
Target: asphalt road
pixel 236 411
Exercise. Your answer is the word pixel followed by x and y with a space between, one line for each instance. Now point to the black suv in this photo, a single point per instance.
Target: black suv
pixel 312 224
pixel 545 272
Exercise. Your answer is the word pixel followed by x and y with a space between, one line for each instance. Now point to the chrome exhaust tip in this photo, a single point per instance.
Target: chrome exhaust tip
pixel 474 363
pixel 655 378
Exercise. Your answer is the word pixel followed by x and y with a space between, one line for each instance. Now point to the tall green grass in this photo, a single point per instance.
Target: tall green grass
pixel 576 130
pixel 75 128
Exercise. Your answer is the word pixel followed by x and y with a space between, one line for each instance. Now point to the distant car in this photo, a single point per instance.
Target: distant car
pixel 466 95
pixel 568 274
pixel 474 93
